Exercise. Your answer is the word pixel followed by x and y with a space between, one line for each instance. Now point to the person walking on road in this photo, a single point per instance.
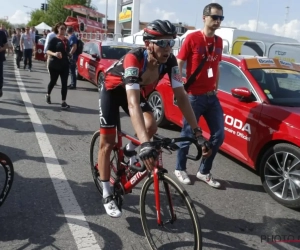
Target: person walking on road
pixel 27 45
pixel 74 56
pixel 49 37
pixel 203 48
pixel 59 51
pixel 3 47
pixel 16 44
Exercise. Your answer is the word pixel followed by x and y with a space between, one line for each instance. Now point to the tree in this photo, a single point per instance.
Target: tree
pixel 56 12
pixel 6 23
pixel 36 17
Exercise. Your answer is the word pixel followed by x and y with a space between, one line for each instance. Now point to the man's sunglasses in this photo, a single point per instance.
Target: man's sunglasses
pixel 217 17
pixel 163 43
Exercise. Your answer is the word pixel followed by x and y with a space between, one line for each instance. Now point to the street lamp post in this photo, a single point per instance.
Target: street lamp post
pixel 28 7
pixel 106 10
pixel 257 16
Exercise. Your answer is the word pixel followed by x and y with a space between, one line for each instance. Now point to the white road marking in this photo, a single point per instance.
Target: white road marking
pixel 83 235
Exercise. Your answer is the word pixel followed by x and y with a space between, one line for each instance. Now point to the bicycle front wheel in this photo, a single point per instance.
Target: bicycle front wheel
pixel 183 232
pixel 6 164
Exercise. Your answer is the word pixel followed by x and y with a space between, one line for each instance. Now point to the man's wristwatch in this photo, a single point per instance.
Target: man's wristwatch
pixel 195 130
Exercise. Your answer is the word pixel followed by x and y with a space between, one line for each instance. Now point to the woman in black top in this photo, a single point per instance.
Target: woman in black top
pixel 58 49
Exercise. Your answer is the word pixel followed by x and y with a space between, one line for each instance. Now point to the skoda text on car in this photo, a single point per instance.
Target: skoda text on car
pixel 97 56
pixel 260 98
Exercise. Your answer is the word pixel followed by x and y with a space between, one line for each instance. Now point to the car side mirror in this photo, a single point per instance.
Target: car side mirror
pixel 242 93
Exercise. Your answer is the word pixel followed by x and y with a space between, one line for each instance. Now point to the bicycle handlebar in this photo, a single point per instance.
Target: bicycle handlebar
pixel 170 144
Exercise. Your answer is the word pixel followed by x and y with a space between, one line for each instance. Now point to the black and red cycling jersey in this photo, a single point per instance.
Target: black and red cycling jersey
pixel 129 69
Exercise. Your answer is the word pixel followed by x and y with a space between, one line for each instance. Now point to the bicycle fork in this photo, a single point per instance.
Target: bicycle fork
pixel 158 175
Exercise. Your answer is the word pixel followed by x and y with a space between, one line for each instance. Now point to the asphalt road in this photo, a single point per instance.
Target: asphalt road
pixel 54 203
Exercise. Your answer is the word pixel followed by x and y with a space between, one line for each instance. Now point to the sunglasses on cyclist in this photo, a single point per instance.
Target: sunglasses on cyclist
pixel 217 17
pixel 163 43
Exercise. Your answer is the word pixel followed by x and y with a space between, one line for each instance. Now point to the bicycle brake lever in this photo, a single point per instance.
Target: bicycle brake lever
pixel 166 150
pixel 173 146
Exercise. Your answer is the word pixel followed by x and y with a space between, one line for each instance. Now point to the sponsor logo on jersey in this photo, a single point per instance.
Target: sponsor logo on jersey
pixel 131 72
pixel 265 61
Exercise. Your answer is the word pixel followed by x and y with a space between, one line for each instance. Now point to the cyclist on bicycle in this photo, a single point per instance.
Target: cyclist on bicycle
pixel 122 87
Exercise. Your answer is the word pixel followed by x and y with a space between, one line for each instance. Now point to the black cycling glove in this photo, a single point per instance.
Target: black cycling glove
pixel 201 140
pixel 147 151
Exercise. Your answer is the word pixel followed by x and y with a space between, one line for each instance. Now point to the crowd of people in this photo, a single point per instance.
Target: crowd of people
pixel 21 42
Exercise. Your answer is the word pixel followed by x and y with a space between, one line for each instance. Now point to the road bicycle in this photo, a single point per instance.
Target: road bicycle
pixel 158 189
pixel 8 167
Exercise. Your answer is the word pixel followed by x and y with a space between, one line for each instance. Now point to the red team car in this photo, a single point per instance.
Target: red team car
pixel 97 56
pixel 260 98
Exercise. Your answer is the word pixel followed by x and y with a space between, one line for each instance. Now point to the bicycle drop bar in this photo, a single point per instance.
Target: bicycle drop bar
pixel 170 144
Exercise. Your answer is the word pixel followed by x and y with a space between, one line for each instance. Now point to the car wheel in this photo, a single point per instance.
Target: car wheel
pixel 280 174
pixel 156 103
pixel 78 77
pixel 100 80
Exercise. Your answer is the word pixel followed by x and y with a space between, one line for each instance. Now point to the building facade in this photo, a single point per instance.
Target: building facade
pixel 126 27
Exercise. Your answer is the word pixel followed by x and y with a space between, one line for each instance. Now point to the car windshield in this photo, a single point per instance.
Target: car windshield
pixel 42 41
pixel 114 52
pixel 281 86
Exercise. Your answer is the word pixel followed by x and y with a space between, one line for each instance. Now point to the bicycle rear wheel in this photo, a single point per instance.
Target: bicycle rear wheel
pixel 94 148
pixel 188 233
pixel 8 167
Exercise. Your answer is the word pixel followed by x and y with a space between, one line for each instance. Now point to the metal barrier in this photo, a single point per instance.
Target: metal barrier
pixel 249 41
pixel 225 40
pixel 182 40
pixel 135 36
pixel 99 36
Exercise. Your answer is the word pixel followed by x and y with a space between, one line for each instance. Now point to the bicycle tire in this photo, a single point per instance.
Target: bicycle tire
pixel 6 163
pixel 94 169
pixel 188 202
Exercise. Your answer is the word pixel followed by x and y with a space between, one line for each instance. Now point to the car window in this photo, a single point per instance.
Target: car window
pixel 42 41
pixel 231 77
pixel 86 48
pixel 281 86
pixel 94 49
pixel 114 52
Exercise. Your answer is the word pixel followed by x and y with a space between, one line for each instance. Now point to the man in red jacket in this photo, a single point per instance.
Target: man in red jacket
pixel 198 46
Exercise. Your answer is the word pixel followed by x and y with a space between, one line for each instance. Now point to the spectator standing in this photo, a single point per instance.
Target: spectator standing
pixel 74 56
pixel 16 44
pixel 9 42
pixel 3 47
pixel 59 51
pixel 198 46
pixel 50 35
pixel 2 27
pixel 27 45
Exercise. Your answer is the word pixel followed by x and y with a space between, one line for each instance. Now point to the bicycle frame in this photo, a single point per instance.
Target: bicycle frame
pixel 128 185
